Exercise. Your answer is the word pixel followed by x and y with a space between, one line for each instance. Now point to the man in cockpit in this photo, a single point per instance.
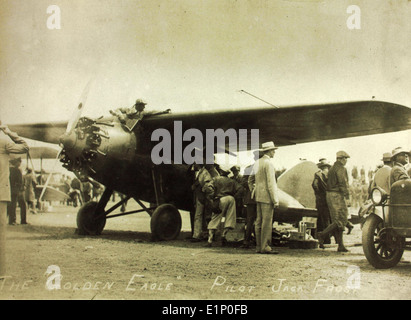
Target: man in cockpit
pixel 130 116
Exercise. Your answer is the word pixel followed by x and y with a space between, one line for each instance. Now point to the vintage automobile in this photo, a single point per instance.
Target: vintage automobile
pixel 387 225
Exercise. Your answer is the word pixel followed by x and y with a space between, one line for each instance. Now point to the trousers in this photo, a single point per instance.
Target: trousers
pixel 338 209
pixel 16 198
pixel 251 216
pixel 227 207
pixel 198 219
pixel 3 222
pixel 264 225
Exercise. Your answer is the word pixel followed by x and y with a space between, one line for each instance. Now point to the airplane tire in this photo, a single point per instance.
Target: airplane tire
pixel 165 222
pixel 87 223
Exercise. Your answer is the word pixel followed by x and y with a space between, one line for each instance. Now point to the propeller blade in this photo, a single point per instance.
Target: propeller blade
pixel 78 111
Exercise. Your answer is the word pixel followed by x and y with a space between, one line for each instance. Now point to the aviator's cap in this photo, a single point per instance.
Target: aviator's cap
pixel 139 101
pixel 268 146
pixel 342 154
pixel 399 150
pixel 386 156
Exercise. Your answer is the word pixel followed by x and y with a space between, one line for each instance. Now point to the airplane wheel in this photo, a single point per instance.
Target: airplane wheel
pixel 87 223
pixel 165 222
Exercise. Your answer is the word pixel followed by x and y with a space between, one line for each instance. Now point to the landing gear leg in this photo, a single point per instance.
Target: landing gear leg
pixel 91 218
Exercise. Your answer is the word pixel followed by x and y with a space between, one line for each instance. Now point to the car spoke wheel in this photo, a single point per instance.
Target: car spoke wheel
pixel 382 248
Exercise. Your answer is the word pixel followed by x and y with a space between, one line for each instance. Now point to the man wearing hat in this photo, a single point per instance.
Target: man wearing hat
pixel 130 116
pixel 382 176
pixel 263 186
pixel 400 159
pixel 17 193
pixel 337 193
pixel 320 190
pixel 7 146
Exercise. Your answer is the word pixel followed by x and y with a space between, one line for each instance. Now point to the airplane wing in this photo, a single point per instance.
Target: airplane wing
pixel 51 194
pixel 296 124
pixel 43 153
pixel 47 132
pixel 285 125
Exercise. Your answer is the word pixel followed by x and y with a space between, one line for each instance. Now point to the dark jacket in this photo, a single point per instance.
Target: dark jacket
pixel 319 184
pixel 16 180
pixel 338 179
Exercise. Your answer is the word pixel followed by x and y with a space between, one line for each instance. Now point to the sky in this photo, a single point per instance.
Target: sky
pixel 198 54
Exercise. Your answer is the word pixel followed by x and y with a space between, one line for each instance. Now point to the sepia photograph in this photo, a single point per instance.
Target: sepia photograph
pixel 205 154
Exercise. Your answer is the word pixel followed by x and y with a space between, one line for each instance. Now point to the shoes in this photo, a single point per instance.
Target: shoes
pixel 350 227
pixel 12 224
pixel 195 240
pixel 320 240
pixel 209 244
pixel 224 242
pixel 343 249
pixel 25 223
pixel 268 250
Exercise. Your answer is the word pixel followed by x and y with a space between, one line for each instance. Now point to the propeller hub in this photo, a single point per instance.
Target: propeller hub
pixel 68 140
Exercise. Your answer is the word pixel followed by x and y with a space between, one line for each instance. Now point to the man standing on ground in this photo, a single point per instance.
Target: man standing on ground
pixel 337 194
pixel 15 145
pixel 263 186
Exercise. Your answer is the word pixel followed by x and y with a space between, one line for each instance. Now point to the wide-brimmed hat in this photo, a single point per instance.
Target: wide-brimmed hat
pixel 399 150
pixel 323 163
pixel 266 146
pixel 386 156
pixel 342 154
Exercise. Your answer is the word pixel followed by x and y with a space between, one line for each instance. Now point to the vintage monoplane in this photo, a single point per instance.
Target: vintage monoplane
pixel 119 156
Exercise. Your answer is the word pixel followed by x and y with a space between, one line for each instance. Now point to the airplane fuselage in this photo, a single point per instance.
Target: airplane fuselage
pixel 120 159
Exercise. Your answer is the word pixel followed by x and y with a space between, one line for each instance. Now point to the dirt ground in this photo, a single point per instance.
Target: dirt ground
pixel 123 263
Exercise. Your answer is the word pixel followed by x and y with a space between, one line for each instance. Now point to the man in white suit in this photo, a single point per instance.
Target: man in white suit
pixel 10 142
pixel 263 186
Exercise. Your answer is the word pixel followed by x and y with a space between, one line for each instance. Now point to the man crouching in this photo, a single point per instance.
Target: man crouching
pixel 222 193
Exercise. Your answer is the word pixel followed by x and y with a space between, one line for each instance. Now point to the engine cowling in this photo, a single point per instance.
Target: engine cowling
pixel 88 148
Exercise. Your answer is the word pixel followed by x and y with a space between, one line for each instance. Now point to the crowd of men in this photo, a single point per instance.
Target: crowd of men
pixel 253 195
pixel 23 191
pixel 333 195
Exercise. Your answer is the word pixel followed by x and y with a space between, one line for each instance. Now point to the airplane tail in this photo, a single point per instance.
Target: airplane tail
pixel 296 182
pixel 297 199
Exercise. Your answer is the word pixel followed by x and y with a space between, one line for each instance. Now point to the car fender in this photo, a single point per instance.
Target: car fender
pixel 368 209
